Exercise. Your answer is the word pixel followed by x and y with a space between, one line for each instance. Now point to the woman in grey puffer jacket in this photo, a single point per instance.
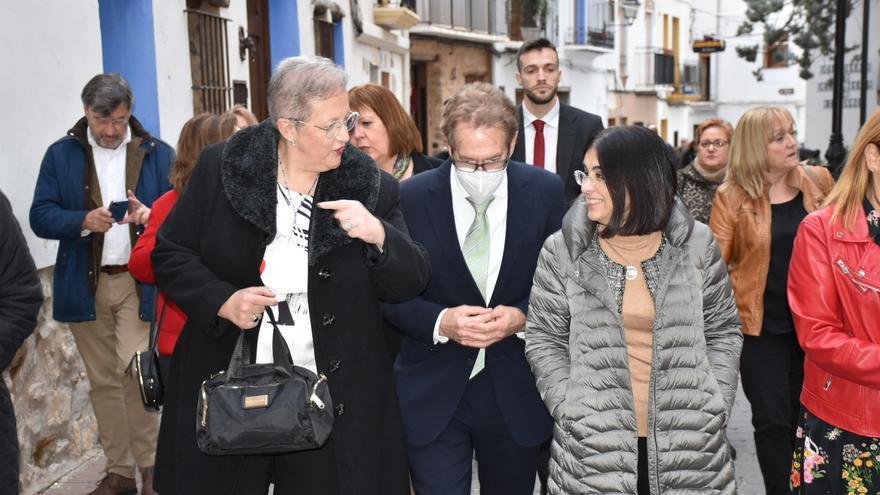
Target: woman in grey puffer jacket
pixel 633 334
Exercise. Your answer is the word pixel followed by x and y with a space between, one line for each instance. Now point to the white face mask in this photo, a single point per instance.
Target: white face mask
pixel 480 185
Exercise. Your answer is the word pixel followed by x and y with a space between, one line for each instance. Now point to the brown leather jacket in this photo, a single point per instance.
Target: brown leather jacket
pixel 742 227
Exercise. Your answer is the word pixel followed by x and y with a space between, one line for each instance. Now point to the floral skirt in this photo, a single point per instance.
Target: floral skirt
pixel 831 461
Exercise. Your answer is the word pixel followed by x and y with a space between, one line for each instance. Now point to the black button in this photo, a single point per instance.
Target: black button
pixel 334 365
pixel 328 319
pixel 324 274
pixel 339 409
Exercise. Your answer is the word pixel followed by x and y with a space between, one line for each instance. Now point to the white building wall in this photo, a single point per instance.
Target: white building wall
pixel 52 50
pixel 819 88
pixel 734 87
pixel 173 74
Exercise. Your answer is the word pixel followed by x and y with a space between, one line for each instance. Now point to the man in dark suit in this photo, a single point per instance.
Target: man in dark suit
pixel 559 133
pixel 463 381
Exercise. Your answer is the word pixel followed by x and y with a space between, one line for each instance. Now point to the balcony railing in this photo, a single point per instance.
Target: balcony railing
pixel 480 16
pixel 595 27
pixel 656 69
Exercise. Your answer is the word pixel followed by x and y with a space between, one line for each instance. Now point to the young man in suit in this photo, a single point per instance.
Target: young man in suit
pixel 551 136
pixel 465 387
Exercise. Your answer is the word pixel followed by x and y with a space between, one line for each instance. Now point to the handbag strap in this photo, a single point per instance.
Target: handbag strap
pixel 156 325
pixel 241 356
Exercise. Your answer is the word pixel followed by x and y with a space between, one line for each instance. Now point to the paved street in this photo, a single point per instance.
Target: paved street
pixel 81 479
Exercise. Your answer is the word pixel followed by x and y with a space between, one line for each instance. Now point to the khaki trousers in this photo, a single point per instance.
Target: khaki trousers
pixel 126 429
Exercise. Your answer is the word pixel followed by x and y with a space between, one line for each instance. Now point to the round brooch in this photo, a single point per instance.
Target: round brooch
pixel 631 273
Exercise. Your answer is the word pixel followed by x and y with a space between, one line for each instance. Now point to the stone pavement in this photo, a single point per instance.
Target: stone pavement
pixel 83 477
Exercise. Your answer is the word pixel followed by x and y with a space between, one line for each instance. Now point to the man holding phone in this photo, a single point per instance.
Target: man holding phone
pixel 93 195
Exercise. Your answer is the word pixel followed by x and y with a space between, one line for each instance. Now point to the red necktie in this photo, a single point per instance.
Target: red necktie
pixel 539 143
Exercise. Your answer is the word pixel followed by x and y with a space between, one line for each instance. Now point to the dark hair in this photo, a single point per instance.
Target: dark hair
pixel 538 44
pixel 403 135
pixel 105 92
pixel 640 177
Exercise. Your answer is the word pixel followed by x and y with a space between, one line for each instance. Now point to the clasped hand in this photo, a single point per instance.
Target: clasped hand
pixel 476 326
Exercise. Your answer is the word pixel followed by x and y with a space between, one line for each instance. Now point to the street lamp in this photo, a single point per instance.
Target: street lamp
pixel 630 10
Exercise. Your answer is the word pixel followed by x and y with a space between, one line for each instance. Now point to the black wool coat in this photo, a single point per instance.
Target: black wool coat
pixel 212 244
pixel 20 299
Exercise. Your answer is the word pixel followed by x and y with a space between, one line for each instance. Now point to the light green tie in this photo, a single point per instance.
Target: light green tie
pixel 476 255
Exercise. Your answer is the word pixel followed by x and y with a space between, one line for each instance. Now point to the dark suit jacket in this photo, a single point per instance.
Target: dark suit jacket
pixel 577 129
pixel 431 379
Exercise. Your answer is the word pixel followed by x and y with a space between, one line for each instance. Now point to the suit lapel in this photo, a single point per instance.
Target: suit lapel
pixel 519 202
pixel 519 151
pixel 439 212
pixel 565 143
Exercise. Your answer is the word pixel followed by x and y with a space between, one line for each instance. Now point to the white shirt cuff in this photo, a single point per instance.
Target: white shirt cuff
pixel 85 232
pixel 440 339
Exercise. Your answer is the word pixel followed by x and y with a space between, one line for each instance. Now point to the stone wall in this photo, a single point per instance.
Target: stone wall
pixel 49 387
pixel 453 64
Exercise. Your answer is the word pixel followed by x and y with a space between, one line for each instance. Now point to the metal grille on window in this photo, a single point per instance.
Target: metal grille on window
pixel 209 60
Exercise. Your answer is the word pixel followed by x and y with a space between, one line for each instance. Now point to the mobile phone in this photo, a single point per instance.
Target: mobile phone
pixel 118 208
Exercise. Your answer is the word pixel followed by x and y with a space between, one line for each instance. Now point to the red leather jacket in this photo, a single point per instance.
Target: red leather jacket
pixel 834 294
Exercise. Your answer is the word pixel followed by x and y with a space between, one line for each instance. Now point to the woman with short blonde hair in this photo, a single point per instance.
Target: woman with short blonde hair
pixel 698 181
pixel 755 215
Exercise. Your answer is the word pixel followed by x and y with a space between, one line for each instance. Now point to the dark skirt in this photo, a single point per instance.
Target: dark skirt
pixel 829 460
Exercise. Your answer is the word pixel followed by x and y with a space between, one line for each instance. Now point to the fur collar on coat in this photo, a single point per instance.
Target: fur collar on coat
pixel 249 173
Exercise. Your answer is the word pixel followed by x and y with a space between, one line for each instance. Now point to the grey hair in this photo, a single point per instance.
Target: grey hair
pixel 480 105
pixel 105 92
pixel 299 81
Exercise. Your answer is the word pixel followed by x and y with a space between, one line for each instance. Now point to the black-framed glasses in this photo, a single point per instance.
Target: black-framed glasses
pixel 334 128
pixel 580 177
pixel 718 144
pixel 496 165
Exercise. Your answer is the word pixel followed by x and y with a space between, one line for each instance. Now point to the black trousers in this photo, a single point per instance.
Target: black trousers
pixel 310 472
pixel 8 444
pixel 772 371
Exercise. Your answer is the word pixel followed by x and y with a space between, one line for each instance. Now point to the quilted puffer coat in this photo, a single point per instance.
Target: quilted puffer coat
pixel 576 347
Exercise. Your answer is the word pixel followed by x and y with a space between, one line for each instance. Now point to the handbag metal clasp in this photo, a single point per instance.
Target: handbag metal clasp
pixel 314 399
pixel 204 392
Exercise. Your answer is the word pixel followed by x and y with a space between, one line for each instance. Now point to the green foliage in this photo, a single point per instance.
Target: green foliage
pixel 809 24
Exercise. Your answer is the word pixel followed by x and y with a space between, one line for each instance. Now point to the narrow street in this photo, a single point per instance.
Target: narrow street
pixel 748 477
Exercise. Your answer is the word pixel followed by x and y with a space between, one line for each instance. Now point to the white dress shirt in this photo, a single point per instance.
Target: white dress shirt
pixel 110 167
pixel 464 215
pixel 551 136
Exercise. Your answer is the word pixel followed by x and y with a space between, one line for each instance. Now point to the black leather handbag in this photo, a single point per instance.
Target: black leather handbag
pixel 270 408
pixel 144 365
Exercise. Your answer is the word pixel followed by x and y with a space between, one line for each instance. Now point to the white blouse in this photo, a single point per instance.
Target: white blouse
pixel 285 271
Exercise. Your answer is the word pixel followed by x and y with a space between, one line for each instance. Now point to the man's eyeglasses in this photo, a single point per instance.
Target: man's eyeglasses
pixel 466 166
pixel 580 177
pixel 332 131
pixel 105 121
pixel 718 144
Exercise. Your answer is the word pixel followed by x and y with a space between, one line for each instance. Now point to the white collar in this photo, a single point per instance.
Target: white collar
pixel 551 118
pixel 96 146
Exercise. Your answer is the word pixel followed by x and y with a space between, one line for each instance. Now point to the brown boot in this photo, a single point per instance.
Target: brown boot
pixel 115 484
pixel 147 481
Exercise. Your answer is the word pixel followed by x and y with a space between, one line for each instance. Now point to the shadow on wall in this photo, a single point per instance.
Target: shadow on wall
pixel 50 393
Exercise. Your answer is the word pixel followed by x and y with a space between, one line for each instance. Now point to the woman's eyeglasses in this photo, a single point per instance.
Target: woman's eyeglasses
pixel 332 131
pixel 718 144
pixel 580 177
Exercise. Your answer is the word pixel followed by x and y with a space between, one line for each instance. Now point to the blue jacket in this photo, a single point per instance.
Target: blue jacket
pixel 62 199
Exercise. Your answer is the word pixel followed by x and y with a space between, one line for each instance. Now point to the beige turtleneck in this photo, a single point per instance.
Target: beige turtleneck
pixel 637 314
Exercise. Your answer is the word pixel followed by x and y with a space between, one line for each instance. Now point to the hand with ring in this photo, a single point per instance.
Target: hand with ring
pixel 245 307
pixel 357 221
